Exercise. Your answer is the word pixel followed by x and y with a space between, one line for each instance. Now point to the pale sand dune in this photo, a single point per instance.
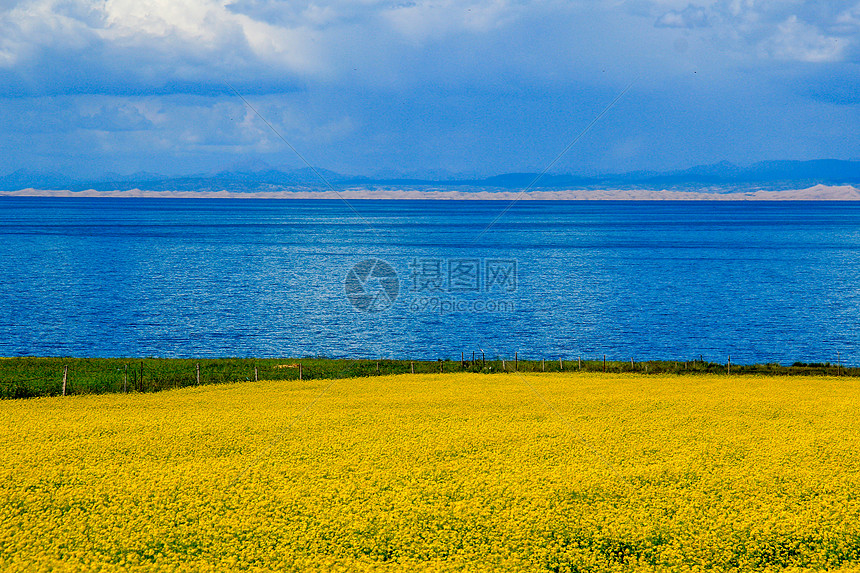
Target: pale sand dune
pixel 816 193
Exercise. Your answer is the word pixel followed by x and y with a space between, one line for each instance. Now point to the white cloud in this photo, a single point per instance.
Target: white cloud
pixel 418 21
pixel 787 30
pixel 71 46
pixel 848 21
pixel 796 40
pixel 171 39
pixel 690 17
pixel 113 116
pixel 27 27
pixel 209 30
pixel 306 39
pixel 194 20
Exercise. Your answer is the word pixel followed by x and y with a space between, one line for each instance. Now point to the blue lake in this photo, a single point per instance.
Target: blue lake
pixel 760 282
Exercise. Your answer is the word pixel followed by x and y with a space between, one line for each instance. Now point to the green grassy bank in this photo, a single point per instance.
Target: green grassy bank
pixel 24 377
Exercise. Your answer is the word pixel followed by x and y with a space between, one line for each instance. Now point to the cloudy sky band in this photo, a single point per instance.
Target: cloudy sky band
pixel 379 87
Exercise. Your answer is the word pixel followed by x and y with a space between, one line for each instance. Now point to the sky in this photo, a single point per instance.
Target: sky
pixel 424 88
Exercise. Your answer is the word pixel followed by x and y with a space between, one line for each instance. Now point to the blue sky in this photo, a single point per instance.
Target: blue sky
pixel 382 87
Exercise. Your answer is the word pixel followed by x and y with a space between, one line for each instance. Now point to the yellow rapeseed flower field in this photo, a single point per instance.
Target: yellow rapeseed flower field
pixel 454 472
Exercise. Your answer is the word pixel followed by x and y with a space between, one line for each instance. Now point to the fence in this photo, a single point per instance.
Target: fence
pixel 29 377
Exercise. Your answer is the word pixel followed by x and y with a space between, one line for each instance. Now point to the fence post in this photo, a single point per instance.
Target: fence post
pixel 300 370
pixel 579 363
pixel 256 378
pixel 198 374
pixel 65 375
pixel 542 368
pixel 560 365
pixel 412 366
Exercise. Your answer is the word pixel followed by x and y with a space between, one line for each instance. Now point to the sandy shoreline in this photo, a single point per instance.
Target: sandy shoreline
pixel 816 193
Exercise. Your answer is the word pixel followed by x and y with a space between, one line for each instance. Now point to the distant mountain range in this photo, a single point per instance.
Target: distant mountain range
pixel 259 177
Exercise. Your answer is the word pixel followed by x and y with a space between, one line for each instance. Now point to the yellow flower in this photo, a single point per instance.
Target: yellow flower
pixel 454 472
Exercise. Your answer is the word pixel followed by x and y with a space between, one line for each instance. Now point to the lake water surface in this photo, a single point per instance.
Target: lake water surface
pixel 760 282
